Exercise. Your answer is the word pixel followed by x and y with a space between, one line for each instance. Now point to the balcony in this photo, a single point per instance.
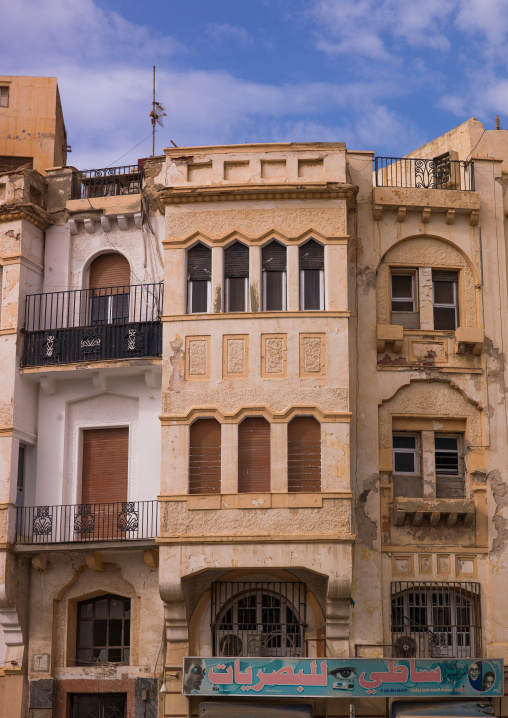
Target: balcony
pixel 87 325
pixel 439 173
pixel 84 523
pixel 107 182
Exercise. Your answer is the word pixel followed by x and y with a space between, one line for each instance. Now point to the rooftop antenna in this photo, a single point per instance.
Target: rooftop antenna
pixel 498 123
pixel 156 114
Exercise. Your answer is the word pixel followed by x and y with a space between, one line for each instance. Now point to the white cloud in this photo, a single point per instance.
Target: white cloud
pixel 223 32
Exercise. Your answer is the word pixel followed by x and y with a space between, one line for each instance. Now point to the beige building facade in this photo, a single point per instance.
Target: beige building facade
pixel 253 405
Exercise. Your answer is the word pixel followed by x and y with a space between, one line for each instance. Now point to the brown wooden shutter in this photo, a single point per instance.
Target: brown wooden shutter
pixel 109 270
pixel 105 470
pixel 312 255
pixel 199 263
pixel 236 260
pixel 254 455
pixel 204 457
pixel 304 454
pixel 273 257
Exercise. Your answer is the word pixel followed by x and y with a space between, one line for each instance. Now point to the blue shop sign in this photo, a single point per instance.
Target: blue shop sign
pixel 342 678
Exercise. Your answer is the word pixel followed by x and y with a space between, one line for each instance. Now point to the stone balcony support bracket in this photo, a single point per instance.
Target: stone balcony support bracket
pixel 469 340
pixel 455 511
pixel 390 334
pixel 428 202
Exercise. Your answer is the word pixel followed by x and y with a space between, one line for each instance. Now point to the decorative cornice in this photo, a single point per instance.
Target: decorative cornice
pixel 272 416
pixel 283 314
pixel 29 212
pixel 200 236
pixel 256 193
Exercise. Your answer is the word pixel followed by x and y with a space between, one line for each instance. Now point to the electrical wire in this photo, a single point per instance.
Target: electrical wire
pixel 128 151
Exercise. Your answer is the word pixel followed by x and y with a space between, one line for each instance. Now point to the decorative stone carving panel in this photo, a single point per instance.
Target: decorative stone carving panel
pixel 235 359
pixel 273 355
pixel 312 354
pixel 197 353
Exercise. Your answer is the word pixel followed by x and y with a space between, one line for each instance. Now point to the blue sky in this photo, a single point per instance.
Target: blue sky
pixel 381 75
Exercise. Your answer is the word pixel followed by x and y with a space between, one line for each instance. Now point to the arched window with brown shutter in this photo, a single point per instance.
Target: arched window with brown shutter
pixel 109 280
pixel 205 457
pixel 273 261
pixel 254 455
pixel 236 275
pixel 304 454
pixel 199 279
pixel 312 264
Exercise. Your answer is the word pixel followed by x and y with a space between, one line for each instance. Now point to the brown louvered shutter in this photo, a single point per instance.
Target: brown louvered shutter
pixel 312 255
pixel 273 257
pixel 236 261
pixel 199 263
pixel 105 470
pixel 109 270
pixel 254 455
pixel 304 454
pixel 204 457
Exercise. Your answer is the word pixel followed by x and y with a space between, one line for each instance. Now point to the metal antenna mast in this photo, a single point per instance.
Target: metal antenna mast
pixel 153 115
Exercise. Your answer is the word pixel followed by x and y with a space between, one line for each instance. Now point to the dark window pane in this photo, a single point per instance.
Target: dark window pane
pixel 85 634
pixel 404 463
pixel 84 655
pixel 115 655
pixel 127 633
pixel 199 297
pixel 115 632
pixel 100 655
pixel 99 309
pixel 100 633
pixel 449 443
pixel 444 292
pixel 116 608
pixel 126 655
pixel 86 610
pixel 445 318
pixel 120 308
pixel 236 294
pixel 402 286
pixel 404 442
pixel 274 286
pixel 102 608
pixel 402 306
pixel 311 289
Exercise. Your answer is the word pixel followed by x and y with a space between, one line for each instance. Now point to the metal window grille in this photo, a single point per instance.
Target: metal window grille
pixel 258 618
pixel 435 620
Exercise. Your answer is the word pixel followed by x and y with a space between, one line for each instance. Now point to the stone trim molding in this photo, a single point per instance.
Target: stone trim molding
pixel 245 239
pixel 273 417
pixel 249 193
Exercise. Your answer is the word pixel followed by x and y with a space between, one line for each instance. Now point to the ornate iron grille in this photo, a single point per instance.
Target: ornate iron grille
pixel 438 173
pixel 436 620
pixel 93 324
pixel 107 182
pixel 259 618
pixel 119 521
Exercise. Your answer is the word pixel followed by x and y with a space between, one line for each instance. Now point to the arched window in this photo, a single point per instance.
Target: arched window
pixel 312 264
pixel 258 618
pixel 436 620
pixel 205 457
pixel 109 280
pixel 103 630
pixel 254 455
pixel 236 275
pixel 273 260
pixel 304 454
pixel 199 279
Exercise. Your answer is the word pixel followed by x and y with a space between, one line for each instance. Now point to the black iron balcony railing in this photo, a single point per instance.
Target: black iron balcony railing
pixel 93 324
pixel 438 173
pixel 436 619
pixel 107 182
pixel 119 521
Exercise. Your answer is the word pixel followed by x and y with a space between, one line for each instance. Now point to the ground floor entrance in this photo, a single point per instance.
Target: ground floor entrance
pixel 91 705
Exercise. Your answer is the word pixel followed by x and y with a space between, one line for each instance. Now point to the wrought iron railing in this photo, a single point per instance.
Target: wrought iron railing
pixel 107 182
pixel 258 618
pixel 438 173
pixel 436 619
pixel 93 324
pixel 119 521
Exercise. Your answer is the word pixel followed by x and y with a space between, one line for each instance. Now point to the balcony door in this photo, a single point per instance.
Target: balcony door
pixel 109 282
pixel 104 482
pixel 106 705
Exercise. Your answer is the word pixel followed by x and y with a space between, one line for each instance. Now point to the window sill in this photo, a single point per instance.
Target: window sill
pixel 453 509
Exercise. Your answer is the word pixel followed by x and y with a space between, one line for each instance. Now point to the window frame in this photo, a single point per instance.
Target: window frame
pixel 227 294
pixel 4 94
pixel 415 452
pixel 190 284
pixel 459 453
pixel 405 272
pixel 125 632
pixel 321 290
pixel 454 305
